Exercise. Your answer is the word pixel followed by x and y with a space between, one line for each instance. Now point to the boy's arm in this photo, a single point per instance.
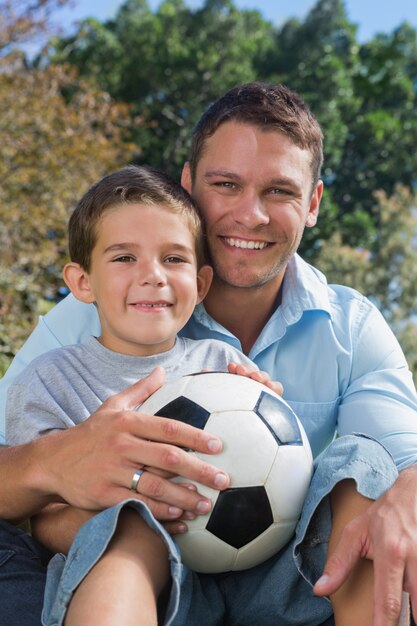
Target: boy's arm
pixel 57 524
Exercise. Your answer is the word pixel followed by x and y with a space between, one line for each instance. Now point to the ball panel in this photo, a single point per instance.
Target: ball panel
pixel 221 391
pixel 244 436
pixel 203 552
pixel 233 506
pixel 279 418
pixel 185 410
pixel 164 395
pixel 288 482
pixel 264 546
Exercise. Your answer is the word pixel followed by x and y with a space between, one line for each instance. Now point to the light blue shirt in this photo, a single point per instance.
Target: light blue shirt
pixel 342 369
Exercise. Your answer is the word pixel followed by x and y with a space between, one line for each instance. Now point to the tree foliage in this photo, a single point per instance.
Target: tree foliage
pixel 58 135
pixel 61 129
pixel 169 64
pixel 387 271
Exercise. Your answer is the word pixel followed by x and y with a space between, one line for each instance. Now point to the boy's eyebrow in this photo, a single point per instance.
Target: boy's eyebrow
pixel 133 246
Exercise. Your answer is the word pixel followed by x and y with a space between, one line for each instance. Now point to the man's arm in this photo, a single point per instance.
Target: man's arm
pixel 386 533
pixel 381 401
pixel 92 464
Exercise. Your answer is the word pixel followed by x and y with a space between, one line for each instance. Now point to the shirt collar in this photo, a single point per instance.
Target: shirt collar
pixel 304 289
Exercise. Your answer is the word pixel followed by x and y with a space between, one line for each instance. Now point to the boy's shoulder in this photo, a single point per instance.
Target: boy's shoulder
pixel 50 360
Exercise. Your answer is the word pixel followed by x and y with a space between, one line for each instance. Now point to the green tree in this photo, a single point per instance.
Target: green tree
pixel 387 271
pixel 169 64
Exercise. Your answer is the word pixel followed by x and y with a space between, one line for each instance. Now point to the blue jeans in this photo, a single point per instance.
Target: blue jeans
pixel 275 593
pixel 22 577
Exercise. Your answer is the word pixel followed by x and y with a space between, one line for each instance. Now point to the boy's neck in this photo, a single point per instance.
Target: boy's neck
pixel 135 349
pixel 243 311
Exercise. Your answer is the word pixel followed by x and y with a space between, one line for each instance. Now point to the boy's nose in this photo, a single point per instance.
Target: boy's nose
pixel 153 274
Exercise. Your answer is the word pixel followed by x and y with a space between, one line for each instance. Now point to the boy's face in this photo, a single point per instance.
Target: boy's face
pixel 143 278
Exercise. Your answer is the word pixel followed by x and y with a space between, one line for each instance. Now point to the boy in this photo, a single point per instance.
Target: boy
pixel 137 252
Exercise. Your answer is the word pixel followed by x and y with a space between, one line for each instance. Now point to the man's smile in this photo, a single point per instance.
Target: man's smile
pixel 247 244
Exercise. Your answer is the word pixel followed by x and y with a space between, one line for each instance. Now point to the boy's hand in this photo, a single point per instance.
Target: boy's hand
pixel 261 377
pixel 91 465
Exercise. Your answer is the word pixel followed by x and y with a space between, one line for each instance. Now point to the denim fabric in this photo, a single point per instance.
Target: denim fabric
pixel 22 577
pixel 275 593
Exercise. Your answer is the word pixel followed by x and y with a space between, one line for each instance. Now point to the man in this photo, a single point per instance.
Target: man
pixel 254 170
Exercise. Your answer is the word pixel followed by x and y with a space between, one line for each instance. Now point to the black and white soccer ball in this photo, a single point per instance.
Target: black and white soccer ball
pixel 266 454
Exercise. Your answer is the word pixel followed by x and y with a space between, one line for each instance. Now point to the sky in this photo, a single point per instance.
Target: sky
pixel 371 16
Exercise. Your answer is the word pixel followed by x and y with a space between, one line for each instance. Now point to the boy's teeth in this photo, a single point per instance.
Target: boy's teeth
pixel 242 243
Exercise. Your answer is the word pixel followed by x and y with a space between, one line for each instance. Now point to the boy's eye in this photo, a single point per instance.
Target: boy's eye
pixel 125 258
pixel 174 259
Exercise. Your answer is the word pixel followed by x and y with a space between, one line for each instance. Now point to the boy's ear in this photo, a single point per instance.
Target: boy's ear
pixel 78 281
pixel 204 278
pixel 186 177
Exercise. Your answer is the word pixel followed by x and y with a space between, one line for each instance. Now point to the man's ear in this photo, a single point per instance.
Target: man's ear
pixel 204 278
pixel 186 177
pixel 78 281
pixel 313 211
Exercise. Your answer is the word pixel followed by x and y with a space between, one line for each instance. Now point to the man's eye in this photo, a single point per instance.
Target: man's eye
pixel 278 191
pixel 225 184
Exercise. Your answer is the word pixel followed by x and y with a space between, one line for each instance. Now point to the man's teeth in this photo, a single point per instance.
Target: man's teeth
pixel 156 304
pixel 243 243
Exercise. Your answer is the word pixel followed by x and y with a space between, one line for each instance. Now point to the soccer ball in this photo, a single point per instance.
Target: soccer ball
pixel 266 454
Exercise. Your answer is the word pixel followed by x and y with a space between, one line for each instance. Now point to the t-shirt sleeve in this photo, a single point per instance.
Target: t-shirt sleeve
pixel 69 322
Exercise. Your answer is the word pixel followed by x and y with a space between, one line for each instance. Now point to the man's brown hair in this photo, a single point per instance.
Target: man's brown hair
pixel 269 107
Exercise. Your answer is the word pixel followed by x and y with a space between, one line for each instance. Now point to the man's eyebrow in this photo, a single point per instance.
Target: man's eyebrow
pixel 222 173
pixel 273 182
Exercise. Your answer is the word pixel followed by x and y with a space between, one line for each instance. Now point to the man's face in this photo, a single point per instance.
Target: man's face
pixel 254 188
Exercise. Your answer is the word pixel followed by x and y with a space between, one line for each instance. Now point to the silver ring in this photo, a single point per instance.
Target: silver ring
pixel 135 480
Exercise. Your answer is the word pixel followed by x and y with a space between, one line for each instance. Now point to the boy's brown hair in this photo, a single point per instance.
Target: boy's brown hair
pixel 129 185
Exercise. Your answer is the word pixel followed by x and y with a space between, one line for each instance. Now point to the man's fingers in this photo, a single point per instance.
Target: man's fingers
pixel 137 393
pixel 162 430
pixel 388 592
pixel 340 563
pixel 176 461
pixel 178 497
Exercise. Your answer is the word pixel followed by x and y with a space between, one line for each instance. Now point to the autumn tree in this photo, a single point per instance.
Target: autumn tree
pixel 58 134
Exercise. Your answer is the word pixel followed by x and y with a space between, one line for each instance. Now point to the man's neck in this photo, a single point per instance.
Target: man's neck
pixel 244 312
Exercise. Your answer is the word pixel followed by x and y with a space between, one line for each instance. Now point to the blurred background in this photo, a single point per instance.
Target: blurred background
pixel 86 87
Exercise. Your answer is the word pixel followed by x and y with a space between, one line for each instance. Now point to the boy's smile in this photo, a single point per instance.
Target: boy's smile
pixel 143 278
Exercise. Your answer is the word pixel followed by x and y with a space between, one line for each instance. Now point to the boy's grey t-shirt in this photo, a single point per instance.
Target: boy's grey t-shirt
pixel 65 386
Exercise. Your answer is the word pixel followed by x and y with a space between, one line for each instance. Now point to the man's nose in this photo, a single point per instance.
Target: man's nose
pixel 251 211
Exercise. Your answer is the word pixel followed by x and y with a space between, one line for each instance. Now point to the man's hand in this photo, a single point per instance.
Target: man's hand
pixel 91 465
pixel 258 375
pixel 386 533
